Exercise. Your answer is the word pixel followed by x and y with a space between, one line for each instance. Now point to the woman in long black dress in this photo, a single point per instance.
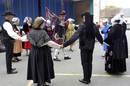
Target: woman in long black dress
pixel 118 50
pixel 40 64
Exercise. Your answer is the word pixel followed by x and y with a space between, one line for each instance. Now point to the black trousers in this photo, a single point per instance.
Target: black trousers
pixel 86 61
pixel 9 53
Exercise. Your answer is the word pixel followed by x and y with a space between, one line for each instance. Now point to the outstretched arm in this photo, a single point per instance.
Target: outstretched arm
pixel 53 44
pixel 73 38
pixel 98 36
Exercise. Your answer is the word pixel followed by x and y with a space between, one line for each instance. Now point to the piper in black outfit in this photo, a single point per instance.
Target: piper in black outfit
pixel 59 35
pixel 86 34
pixel 40 64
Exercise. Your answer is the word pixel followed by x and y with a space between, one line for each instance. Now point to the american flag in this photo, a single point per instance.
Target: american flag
pixel 50 15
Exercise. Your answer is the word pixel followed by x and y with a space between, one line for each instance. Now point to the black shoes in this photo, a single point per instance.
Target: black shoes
pixel 85 81
pixel 16 59
pixel 42 85
pixel 67 58
pixel 56 59
pixel 39 85
pixel 46 84
pixel 13 71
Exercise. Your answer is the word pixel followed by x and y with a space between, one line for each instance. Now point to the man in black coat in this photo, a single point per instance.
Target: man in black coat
pixel 8 39
pixel 86 34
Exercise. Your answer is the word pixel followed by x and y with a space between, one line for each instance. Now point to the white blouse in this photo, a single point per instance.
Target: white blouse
pixel 8 27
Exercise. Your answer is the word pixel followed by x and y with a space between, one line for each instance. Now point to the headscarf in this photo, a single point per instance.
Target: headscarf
pixel 48 22
pixel 70 20
pixel 119 17
pixel 15 20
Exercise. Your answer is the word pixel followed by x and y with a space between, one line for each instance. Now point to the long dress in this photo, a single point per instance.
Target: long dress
pixel 70 31
pixel 40 64
pixel 116 55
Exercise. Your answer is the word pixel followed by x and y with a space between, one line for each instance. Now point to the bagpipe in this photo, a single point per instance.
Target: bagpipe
pixel 59 34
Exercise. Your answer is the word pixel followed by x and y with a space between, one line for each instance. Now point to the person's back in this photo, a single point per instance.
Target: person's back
pixel 86 34
pixel 38 37
pixel 87 37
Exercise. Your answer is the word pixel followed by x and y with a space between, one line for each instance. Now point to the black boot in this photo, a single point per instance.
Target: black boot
pixel 85 81
pixel 18 59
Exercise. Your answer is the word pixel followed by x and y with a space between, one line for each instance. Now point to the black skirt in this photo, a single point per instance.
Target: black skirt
pixel 40 65
pixel 114 66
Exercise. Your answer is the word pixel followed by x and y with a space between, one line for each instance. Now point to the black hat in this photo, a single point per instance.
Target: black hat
pixel 8 13
pixel 63 12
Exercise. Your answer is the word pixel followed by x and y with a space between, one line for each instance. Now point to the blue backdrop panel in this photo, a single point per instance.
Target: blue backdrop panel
pixel 24 8
pixel 55 6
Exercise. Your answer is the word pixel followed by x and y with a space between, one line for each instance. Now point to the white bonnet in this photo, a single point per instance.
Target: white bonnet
pixel 26 19
pixel 70 20
pixel 48 22
pixel 15 19
pixel 120 17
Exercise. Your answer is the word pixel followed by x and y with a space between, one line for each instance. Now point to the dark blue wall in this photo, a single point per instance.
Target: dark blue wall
pixel 24 8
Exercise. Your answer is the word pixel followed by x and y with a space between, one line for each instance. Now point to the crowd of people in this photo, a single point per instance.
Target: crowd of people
pixel 40 36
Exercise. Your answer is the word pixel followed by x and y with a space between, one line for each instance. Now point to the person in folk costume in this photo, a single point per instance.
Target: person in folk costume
pixel 9 37
pixel 40 64
pixel 27 26
pixel 49 29
pixel 86 34
pixel 118 49
pixel 105 30
pixel 17 44
pixel 59 37
pixel 70 31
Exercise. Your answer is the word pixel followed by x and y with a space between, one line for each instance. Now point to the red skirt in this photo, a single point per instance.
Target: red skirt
pixel 27 45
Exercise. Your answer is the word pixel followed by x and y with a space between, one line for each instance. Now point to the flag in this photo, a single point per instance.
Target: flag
pixel 50 15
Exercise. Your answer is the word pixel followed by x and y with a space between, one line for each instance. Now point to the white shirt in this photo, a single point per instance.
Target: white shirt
pixel 9 29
